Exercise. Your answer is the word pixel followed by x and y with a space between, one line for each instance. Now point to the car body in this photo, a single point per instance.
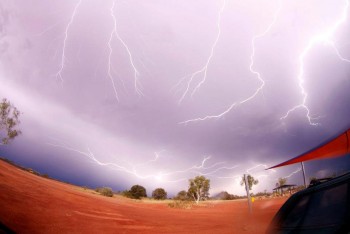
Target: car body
pixel 321 208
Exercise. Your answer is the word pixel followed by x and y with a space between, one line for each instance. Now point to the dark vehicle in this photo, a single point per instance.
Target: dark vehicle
pixel 321 208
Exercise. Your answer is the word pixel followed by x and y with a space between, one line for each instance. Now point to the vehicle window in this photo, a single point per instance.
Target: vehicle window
pixel 295 216
pixel 323 208
pixel 327 207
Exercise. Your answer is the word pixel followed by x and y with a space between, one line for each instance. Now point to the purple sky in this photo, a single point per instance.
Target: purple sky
pixel 115 93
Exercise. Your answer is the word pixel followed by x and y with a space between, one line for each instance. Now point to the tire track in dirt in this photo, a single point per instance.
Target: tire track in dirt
pixel 106 216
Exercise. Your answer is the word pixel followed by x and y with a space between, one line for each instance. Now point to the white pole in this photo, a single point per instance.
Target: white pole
pixel 302 167
pixel 248 195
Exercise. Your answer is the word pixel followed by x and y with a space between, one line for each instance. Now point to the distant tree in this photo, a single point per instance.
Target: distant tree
pixel 182 196
pixel 251 181
pixel 225 196
pixel 199 188
pixel 137 191
pixel 159 194
pixel 282 181
pixel 9 119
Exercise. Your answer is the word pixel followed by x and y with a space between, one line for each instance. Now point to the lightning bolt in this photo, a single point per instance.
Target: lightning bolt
pixel 133 169
pixel 338 53
pixel 257 166
pixel 196 168
pixel 294 172
pixel 114 166
pixel 137 84
pixel 113 33
pixel 155 159
pixel 324 38
pixel 48 29
pixel 91 156
pixel 263 167
pixel 63 57
pixel 251 69
pixel 204 69
pixel 216 170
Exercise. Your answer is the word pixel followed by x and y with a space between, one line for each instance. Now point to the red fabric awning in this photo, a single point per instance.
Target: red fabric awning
pixel 336 147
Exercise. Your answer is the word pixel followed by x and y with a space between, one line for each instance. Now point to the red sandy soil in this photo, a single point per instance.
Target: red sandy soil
pixel 33 204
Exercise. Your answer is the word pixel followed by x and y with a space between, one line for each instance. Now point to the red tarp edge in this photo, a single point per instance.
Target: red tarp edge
pixel 336 147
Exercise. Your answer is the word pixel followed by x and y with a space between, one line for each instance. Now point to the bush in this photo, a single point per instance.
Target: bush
pixel 226 196
pixel 105 191
pixel 9 119
pixel 126 193
pixel 182 196
pixel 45 176
pixel 159 194
pixel 32 171
pixel 137 191
pixel 181 204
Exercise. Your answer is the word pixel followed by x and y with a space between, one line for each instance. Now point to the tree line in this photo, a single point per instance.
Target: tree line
pixel 198 190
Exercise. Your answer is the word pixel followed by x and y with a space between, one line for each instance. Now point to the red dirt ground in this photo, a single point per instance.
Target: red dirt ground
pixel 33 204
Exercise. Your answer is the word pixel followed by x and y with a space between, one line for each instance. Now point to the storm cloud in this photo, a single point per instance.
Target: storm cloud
pixel 156 92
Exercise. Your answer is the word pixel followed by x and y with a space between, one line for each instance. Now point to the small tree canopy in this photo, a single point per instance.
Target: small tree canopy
pixel 251 181
pixel 9 119
pixel 282 181
pixel 199 188
pixel 159 194
pixel 137 191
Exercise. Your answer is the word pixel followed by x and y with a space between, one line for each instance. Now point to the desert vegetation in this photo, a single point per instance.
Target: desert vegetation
pixel 251 181
pixel 105 191
pixel 135 192
pixel 182 196
pixel 9 120
pixel 159 194
pixel 181 204
pixel 199 188
pixel 224 195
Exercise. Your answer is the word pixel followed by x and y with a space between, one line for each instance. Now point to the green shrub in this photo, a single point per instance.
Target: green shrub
pixel 32 171
pixel 181 204
pixel 159 194
pixel 126 193
pixel 45 176
pixel 105 191
pixel 182 196
pixel 137 191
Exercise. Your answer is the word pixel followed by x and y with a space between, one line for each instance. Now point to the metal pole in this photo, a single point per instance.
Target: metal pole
pixel 248 195
pixel 302 167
